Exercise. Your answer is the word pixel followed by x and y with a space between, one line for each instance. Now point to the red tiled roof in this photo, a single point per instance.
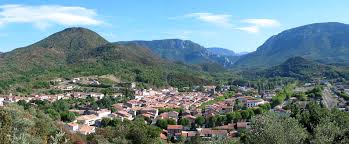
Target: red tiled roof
pixel 241 124
pixel 174 127
pixel 207 131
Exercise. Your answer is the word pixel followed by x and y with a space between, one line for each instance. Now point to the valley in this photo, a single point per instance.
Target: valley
pixel 176 91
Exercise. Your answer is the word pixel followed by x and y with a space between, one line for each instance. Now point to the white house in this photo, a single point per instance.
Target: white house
pixel 124 115
pixel 72 127
pixel 103 113
pixel 87 119
pixel 97 95
pixel 254 103
pixel 2 101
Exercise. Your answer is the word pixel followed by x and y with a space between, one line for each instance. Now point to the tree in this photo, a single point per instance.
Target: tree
pixel 245 114
pixel 162 123
pixel 326 132
pixel 195 140
pixel 184 121
pixel 221 119
pixel 5 127
pixel 271 128
pixel 265 107
pixel 237 116
pixel 200 120
pixel 53 114
pixel 24 104
pixel 238 105
pixel 67 116
pixel 212 121
pixel 171 122
pixel 105 122
pixel 301 96
pixel 257 111
pixel 230 117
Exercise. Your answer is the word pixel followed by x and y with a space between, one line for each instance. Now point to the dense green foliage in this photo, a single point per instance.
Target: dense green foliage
pixel 286 92
pixel 344 95
pixel 312 124
pixel 28 126
pixel 135 132
pixel 271 128
pixel 304 70
pixel 62 55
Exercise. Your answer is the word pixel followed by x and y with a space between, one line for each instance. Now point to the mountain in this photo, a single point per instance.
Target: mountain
pixel 303 69
pixel 323 42
pixel 79 51
pixel 67 46
pixel 184 51
pixel 242 53
pixel 175 50
pixel 221 51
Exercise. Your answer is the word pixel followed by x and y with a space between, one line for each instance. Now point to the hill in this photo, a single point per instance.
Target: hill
pixel 185 51
pixel 323 42
pixel 81 52
pixel 303 69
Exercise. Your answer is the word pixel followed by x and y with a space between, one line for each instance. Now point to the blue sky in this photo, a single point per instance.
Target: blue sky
pixel 239 25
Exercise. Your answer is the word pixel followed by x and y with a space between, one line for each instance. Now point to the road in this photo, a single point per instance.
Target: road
pixel 328 99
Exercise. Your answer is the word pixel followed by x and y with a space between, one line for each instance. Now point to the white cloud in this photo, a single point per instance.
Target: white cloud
pixel 257 24
pixel 262 22
pixel 216 19
pixel 250 29
pixel 44 16
pixel 225 21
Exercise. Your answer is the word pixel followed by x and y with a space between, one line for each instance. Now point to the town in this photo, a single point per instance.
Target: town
pixel 210 112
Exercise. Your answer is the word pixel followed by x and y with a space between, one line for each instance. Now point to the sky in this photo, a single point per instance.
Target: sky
pixel 238 25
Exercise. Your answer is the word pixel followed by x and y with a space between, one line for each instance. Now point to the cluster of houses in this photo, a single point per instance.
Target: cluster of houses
pixel 7 99
pixel 229 130
pixel 147 103
pixel 88 120
pixel 339 87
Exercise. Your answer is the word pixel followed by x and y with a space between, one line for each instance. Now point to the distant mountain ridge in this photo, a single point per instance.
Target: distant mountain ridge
pixel 185 51
pixel 323 42
pixel 80 51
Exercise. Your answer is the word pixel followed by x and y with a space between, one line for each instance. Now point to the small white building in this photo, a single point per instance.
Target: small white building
pixel 96 95
pixel 103 113
pixel 2 101
pixel 123 115
pixel 72 127
pixel 254 103
pixel 87 119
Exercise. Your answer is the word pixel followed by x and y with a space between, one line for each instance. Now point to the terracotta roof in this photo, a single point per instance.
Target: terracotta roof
pixel 241 124
pixel 72 124
pixel 207 131
pixel 86 117
pixel 225 127
pixel 86 128
pixel 190 117
pixel 163 136
pixel 188 133
pixel 174 127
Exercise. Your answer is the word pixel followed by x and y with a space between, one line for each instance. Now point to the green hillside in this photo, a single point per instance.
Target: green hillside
pixel 323 42
pixel 81 52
